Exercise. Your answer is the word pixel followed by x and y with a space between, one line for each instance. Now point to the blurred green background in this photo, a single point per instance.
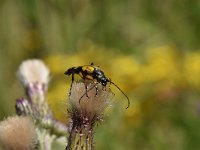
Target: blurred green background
pixel 150 48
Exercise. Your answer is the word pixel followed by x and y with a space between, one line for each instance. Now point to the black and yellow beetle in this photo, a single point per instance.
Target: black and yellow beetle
pixel 94 73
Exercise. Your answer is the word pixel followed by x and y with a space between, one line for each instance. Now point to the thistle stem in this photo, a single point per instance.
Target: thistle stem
pixel 45 139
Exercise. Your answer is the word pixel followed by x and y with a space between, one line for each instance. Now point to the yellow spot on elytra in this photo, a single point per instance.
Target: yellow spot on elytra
pixel 89 69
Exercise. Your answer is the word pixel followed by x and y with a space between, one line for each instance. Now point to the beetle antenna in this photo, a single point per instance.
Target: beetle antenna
pixel 87 91
pixel 122 93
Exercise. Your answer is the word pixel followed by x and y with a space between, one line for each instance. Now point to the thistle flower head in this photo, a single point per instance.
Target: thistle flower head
pixel 17 133
pixel 35 76
pixel 32 71
pixel 86 110
pixel 92 105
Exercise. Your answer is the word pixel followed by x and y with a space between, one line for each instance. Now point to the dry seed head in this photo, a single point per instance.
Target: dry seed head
pixel 33 70
pixel 91 105
pixel 17 133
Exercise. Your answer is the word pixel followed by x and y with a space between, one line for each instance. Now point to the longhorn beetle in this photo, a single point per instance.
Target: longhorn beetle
pixel 93 73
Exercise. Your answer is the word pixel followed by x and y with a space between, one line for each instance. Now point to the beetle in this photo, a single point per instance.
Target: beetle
pixel 93 73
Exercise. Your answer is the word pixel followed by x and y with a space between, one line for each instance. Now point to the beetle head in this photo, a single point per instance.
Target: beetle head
pixel 104 81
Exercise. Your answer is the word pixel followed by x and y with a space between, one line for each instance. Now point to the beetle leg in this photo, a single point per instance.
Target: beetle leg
pixel 96 87
pixel 104 88
pixel 71 84
pixel 86 90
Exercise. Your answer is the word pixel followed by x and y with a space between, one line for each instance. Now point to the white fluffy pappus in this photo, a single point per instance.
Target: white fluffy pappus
pixel 33 70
